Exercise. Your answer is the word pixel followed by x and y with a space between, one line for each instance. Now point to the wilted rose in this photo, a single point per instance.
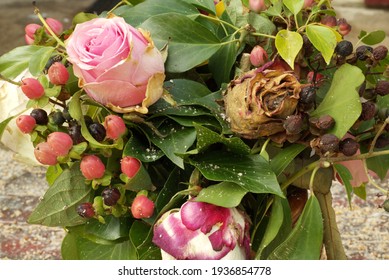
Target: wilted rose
pixel 258 102
pixel 202 231
pixel 117 65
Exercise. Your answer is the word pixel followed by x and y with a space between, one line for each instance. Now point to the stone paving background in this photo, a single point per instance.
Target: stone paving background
pixel 364 228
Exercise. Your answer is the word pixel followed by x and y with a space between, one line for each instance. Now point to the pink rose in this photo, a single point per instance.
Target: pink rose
pixel 117 65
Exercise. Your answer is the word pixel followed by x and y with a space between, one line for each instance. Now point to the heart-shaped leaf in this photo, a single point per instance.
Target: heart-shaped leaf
pixel 288 44
pixel 323 39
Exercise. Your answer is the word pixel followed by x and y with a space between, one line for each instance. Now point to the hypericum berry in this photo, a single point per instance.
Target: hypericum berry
pixel 44 154
pixel 307 95
pixel 88 120
pixel 85 210
pixel 60 143
pixel 308 3
pixel 32 88
pixel 382 88
pixel 110 196
pixel 142 207
pixel 92 167
pixel 329 20
pixel 363 52
pixel 369 94
pixel 25 123
pixel 40 116
pixel 130 166
pixel 369 110
pixel 258 56
pixel 114 126
pixel 66 115
pixel 57 118
pixel 382 141
pixel 97 130
pixel 385 205
pixel 343 27
pixel 55 25
pixel 344 48
pixel 318 79
pixel 348 147
pixel 380 52
pixel 294 124
pixel 328 143
pixel 30 30
pixel 75 134
pixel 324 122
pixel 58 74
pixel 257 5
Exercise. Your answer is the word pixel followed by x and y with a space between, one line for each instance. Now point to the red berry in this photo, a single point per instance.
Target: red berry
pixel 257 5
pixel 25 123
pixel 319 79
pixel 60 143
pixel 114 126
pixel 92 167
pixel 55 25
pixel 58 74
pixel 343 27
pixel 30 30
pixel 44 154
pixel 142 207
pixel 32 88
pixel 258 56
pixel 86 210
pixel 329 21
pixel 130 166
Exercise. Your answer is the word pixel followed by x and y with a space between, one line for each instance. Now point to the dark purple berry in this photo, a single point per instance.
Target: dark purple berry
pixel 382 88
pixel 86 210
pixel 57 118
pixel 88 120
pixel 369 110
pixel 308 95
pixel 363 52
pixel 344 48
pixel 110 196
pixel 40 116
pixel 97 130
pixel 75 134
pixel 294 124
pixel 66 115
pixel 348 146
pixel 382 141
pixel 380 52
pixel 329 143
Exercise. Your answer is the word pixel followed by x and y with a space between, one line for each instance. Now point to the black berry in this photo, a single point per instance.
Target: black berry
pixel 40 116
pixel 86 210
pixel 363 52
pixel 110 196
pixel 344 48
pixel 329 143
pixel 57 118
pixel 380 52
pixel 307 95
pixel 348 146
pixel 369 110
pixel 88 120
pixel 75 134
pixel 97 130
pixel 294 124
pixel 382 88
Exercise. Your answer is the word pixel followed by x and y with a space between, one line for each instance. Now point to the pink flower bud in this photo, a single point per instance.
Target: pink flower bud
pixel 58 74
pixel 44 154
pixel 30 30
pixel 114 126
pixel 32 88
pixel 257 5
pixel 258 56
pixel 92 167
pixel 329 21
pixel 130 166
pixel 55 25
pixel 60 143
pixel 308 3
pixel 343 27
pixel 142 207
pixel 25 123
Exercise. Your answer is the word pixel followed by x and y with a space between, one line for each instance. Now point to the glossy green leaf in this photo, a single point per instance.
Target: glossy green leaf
pixel 136 15
pixel 58 205
pixel 261 23
pixel 89 250
pixel 379 165
pixel 3 125
pixel 252 172
pixel 69 249
pixel 235 11
pixel 277 229
pixel 294 6
pixel 207 137
pixel 372 38
pixel 39 60
pixel 305 240
pixel 141 150
pixel 323 39
pixel 138 232
pixel 346 177
pixel 285 157
pixel 288 44
pixel 188 46
pixel 224 194
pixel 342 97
pixel 113 229
pixel 205 5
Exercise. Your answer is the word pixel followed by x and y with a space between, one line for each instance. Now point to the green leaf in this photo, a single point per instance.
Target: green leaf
pixel 234 9
pixel 113 229
pixel 361 191
pixel 178 141
pixel 69 250
pixel 277 229
pixel 82 17
pixel 89 250
pixel 52 173
pixel 261 23
pixel 284 157
pixel 372 38
pixel 288 44
pixel 346 177
pixel 207 137
pixel 39 60
pixel 188 46
pixel 294 6
pixel 379 165
pixel 223 60
pixel 225 194
pixel 323 39
pixel 342 97
pixel 206 5
pixel 141 150
pixel 58 206
pixel 251 172
pixel 306 238
pixel 138 14
pixel 3 125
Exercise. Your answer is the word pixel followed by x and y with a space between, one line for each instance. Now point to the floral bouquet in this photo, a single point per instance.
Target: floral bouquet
pixel 189 129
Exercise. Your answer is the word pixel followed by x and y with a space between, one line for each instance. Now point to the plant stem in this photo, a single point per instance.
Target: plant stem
pixel 300 173
pixel 263 35
pixel 10 81
pixel 215 19
pixel 379 132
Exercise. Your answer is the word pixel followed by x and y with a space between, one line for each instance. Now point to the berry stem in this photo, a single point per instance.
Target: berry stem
pixel 57 103
pixel 10 81
pixel 379 132
pixel 371 181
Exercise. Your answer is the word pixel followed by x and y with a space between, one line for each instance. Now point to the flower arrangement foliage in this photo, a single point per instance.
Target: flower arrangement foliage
pixel 199 129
